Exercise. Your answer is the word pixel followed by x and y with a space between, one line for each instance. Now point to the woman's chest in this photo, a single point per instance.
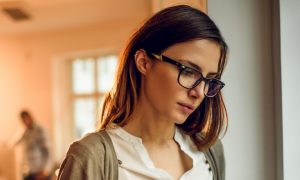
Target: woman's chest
pixel 171 159
pixel 138 162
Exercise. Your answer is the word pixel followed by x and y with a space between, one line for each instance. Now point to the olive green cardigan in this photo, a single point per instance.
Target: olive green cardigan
pixel 93 157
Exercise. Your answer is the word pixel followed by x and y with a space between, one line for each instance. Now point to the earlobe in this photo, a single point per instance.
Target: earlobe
pixel 142 62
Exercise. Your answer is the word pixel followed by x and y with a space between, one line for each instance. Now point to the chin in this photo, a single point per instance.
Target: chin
pixel 177 117
pixel 179 120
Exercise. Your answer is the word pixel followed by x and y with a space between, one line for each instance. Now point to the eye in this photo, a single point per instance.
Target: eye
pixel 188 72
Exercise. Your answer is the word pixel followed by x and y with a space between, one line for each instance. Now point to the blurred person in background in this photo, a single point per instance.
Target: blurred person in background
pixel 165 114
pixel 36 148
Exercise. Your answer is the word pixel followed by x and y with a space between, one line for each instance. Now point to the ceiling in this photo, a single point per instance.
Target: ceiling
pixel 49 15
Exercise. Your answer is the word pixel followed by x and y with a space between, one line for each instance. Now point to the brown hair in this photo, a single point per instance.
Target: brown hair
pixel 170 26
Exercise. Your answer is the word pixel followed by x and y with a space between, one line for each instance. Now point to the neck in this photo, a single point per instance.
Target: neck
pixel 149 126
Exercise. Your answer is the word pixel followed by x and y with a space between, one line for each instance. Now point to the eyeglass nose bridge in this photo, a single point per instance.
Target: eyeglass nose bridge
pixel 198 82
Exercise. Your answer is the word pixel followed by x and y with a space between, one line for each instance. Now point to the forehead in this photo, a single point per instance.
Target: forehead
pixel 202 52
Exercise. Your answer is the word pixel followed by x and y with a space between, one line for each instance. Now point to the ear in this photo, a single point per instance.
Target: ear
pixel 142 61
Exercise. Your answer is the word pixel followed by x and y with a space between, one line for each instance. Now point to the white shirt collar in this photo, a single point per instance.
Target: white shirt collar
pixel 184 141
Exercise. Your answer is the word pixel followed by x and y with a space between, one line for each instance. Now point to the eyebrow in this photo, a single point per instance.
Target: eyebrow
pixel 197 67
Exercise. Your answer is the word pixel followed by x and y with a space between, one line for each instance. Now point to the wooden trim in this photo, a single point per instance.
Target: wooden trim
pixel 158 5
pixel 203 5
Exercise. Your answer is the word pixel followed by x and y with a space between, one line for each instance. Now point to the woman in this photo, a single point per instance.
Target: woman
pixel 165 113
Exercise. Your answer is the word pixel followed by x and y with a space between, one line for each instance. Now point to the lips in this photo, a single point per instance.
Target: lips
pixel 187 108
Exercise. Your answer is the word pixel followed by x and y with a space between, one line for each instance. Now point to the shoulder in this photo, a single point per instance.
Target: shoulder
pixel 93 157
pixel 38 128
pixel 39 131
pixel 218 151
pixel 91 145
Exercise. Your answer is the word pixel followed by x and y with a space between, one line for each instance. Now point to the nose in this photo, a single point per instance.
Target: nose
pixel 198 91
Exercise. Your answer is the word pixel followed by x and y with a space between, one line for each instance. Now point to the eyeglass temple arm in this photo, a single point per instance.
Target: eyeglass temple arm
pixel 164 58
pixel 159 57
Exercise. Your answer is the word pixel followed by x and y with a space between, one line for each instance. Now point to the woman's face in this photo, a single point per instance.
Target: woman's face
pixel 170 100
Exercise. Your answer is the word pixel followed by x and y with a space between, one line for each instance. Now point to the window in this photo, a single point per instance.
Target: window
pixel 92 78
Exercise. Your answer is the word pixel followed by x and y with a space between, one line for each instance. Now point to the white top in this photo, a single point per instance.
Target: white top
pixel 137 165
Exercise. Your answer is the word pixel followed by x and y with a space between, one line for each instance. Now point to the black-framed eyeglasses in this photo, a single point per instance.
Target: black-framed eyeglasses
pixel 189 77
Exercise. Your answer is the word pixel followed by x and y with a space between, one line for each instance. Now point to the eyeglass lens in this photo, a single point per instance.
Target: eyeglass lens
pixel 188 77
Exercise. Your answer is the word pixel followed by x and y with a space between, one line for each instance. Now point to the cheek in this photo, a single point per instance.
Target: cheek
pixel 163 93
pixel 162 87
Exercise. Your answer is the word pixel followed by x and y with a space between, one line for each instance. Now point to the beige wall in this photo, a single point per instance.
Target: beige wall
pixel 160 4
pixel 12 83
